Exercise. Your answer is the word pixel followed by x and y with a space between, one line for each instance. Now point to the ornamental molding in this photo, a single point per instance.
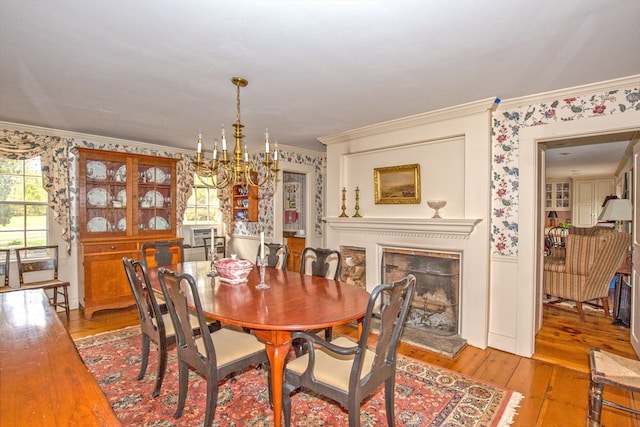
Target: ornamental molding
pixel 406 227
pixel 436 116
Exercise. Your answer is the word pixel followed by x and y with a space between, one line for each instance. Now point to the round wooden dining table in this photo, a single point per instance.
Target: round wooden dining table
pixel 293 302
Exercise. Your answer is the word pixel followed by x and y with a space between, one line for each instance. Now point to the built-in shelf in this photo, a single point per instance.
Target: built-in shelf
pixel 452 228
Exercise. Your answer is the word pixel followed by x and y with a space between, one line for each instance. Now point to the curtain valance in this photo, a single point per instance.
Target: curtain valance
pixel 54 159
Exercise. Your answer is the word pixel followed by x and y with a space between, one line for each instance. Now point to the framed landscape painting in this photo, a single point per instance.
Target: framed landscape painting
pixel 397 184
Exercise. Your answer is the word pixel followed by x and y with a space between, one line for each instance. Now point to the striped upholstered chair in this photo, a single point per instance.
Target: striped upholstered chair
pixel 585 273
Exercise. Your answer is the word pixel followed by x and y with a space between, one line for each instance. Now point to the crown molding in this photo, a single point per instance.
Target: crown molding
pixel 482 106
pixel 587 89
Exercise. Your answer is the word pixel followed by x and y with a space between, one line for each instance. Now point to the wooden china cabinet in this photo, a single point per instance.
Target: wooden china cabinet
pixel 123 200
pixel 244 201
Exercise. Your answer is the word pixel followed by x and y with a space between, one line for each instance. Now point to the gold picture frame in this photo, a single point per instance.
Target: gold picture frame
pixel 397 184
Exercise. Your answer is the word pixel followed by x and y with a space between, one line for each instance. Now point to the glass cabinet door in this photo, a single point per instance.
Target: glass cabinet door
pixel 106 196
pixel 154 197
pixel 557 196
pixel 562 195
pixel 122 195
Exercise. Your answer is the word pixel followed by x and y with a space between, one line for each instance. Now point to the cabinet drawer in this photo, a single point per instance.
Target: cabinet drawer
pixel 111 247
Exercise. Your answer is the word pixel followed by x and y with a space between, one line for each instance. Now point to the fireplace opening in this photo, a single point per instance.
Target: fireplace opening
pixel 435 307
pixel 354 266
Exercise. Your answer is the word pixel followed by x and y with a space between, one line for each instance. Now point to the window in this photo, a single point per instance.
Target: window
pixel 203 207
pixel 23 204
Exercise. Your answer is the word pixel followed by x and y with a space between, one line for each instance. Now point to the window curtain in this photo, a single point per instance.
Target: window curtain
pixel 54 159
pixel 184 187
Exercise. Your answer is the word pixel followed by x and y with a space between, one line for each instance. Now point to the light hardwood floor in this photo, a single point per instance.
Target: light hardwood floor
pixel 554 382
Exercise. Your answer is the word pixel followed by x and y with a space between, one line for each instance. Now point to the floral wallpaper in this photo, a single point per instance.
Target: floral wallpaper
pixel 505 140
pixel 265 207
pixel 67 212
pixel 506 126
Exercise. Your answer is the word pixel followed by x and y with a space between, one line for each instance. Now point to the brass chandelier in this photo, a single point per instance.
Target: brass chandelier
pixel 222 172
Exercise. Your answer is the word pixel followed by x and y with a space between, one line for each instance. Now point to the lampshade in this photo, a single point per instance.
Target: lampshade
pixel 553 214
pixel 616 210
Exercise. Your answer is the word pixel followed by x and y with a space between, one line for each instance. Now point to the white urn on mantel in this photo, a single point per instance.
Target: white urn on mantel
pixel 436 205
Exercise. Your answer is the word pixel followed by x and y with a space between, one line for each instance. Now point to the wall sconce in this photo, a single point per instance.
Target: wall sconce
pixel 552 218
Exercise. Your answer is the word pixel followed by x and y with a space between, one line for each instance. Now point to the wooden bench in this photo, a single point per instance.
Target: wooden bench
pixel 43 380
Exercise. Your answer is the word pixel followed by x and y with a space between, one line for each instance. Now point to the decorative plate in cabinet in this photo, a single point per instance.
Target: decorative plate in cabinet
pixel 96 170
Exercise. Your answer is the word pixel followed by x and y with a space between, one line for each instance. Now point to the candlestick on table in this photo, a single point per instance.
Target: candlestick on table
pixel 261 262
pixel 262 244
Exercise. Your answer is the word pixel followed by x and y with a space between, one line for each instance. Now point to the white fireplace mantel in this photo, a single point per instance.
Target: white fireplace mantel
pixel 409 227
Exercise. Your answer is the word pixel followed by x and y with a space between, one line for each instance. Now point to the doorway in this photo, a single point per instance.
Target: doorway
pixel 529 261
pixel 286 195
pixel 579 174
pixel 294 192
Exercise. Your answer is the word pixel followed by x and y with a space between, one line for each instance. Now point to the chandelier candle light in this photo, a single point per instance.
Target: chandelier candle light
pixel 222 172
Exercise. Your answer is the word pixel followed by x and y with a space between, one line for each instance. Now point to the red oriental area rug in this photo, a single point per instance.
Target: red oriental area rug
pixel 424 396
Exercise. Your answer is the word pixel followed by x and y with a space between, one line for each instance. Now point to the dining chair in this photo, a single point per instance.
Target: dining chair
pixel 214 355
pixel 615 371
pixel 5 256
pixel 556 240
pixel 162 253
pixel 207 246
pixel 346 371
pixel 322 263
pixel 155 321
pixel 36 262
pixel 277 255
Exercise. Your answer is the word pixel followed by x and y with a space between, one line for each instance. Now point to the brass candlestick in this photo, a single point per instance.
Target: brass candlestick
pixel 357 214
pixel 344 204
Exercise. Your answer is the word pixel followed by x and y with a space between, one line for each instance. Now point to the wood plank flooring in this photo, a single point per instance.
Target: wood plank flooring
pixel 554 382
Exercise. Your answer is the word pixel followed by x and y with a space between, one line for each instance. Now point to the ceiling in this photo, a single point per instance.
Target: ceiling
pixel 159 71
pixel 600 155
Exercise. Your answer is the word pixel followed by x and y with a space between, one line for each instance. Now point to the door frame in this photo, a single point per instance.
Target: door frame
pixel 529 278
pixel 635 267
pixel 310 206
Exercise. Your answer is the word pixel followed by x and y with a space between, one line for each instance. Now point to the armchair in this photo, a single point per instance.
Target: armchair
pixel 348 372
pixel 585 271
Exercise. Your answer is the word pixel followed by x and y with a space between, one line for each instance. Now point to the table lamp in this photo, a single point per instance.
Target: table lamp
pixel 552 218
pixel 617 210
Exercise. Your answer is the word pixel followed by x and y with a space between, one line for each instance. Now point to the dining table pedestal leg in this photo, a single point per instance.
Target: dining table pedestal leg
pixel 277 345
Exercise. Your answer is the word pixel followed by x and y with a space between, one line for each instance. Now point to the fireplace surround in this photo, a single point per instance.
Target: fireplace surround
pixel 380 248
